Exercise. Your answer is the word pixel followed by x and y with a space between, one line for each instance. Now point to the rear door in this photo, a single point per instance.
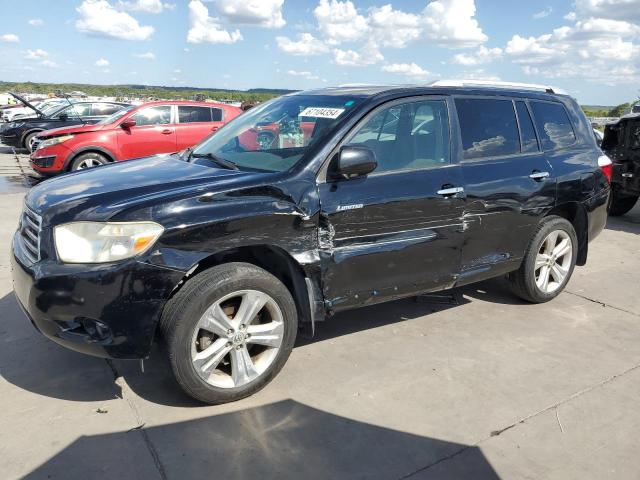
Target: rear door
pixel 398 230
pixel 195 122
pixel 508 183
pixel 153 133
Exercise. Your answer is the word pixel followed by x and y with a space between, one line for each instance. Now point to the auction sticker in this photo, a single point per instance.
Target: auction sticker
pixel 321 112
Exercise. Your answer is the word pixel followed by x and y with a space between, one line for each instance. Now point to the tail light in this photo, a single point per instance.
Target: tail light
pixel 606 165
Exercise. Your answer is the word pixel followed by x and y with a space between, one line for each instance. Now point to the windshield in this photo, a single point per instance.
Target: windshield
pixel 116 115
pixel 274 136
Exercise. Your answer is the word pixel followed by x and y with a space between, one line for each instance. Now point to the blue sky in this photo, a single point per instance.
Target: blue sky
pixel 589 47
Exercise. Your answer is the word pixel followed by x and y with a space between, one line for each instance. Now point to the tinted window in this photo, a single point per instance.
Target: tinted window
pixel 553 125
pixel 527 132
pixel 407 137
pixel 216 114
pixel 153 116
pixel 488 127
pixel 635 136
pixel 189 114
pixel 76 110
pixel 104 109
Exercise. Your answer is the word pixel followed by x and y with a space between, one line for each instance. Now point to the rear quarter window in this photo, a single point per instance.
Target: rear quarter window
pixel 553 124
pixel 488 128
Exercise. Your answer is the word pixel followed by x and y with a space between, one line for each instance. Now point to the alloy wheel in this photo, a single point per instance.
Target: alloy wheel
pixel 88 163
pixel 553 261
pixel 237 339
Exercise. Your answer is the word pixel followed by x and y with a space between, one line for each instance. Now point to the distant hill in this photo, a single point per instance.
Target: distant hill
pixel 254 94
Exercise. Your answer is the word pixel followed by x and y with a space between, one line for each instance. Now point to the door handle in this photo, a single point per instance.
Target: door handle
pixel 448 192
pixel 539 175
pixel 213 129
pixel 166 131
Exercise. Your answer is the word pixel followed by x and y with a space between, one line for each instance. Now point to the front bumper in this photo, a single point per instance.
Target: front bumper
pixel 11 139
pixel 108 310
pixel 50 160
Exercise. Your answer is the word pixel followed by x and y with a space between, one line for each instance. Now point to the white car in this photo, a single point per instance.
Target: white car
pixel 13 114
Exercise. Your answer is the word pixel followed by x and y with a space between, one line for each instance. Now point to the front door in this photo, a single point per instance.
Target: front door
pixel 153 133
pixel 398 230
pixel 509 184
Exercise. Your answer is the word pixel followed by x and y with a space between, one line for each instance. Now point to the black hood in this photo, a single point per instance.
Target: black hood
pixel 102 193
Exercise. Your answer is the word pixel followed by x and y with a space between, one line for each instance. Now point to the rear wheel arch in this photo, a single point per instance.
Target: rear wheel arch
pixel 576 214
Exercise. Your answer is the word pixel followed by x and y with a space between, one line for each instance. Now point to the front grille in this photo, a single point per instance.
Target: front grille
pixel 30 228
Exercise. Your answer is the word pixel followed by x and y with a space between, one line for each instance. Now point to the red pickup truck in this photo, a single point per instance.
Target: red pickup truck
pixel 135 132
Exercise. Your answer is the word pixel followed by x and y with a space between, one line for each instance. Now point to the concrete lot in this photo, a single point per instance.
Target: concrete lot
pixel 485 389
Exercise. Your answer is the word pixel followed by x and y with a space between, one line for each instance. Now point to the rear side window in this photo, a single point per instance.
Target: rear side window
pixel 527 132
pixel 553 125
pixel 105 109
pixel 488 127
pixel 189 114
pixel 216 114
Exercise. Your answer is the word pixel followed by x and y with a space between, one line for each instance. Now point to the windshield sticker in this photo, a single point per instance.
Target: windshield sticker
pixel 321 112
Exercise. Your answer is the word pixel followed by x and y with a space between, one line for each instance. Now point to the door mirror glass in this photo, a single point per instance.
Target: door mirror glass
pixel 128 123
pixel 354 162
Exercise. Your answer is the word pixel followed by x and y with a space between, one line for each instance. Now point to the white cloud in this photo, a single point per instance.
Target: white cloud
pixel 340 21
pixel 368 55
pixel 264 13
pixel 408 70
pixel 147 6
pixel 102 62
pixel 36 22
pixel 393 28
pixel 36 54
pixel 479 57
pixel 206 29
pixel 177 70
pixel 10 38
pixel 100 18
pixel 145 56
pixel 451 23
pixel 49 64
pixel 306 44
pixel 615 9
pixel 543 13
pixel 478 74
pixel 306 74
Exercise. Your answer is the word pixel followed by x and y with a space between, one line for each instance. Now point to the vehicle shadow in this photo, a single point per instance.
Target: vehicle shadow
pixel 74 376
pixel 629 223
pixel 286 439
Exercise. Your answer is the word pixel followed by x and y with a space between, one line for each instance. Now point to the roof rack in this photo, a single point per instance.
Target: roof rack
pixel 493 84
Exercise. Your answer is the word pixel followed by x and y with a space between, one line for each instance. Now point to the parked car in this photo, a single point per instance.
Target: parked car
pixel 133 132
pixel 22 133
pixel 26 111
pixel 636 108
pixel 224 250
pixel 621 143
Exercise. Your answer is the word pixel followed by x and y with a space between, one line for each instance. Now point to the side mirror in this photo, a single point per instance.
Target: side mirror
pixel 352 162
pixel 128 123
pixel 64 117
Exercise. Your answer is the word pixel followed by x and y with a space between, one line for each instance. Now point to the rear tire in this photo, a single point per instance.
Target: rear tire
pixel 548 263
pixel 621 203
pixel 88 160
pixel 224 344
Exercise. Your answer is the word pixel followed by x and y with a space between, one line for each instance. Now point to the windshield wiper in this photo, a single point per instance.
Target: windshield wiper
pixel 229 165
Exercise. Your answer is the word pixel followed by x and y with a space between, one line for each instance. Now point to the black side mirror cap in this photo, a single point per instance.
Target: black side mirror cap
pixel 63 117
pixel 353 162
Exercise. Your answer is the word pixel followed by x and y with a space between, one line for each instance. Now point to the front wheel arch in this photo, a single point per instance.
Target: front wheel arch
pixel 105 153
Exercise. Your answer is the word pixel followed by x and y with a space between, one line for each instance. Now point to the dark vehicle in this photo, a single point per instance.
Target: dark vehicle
pixel 224 250
pixel 636 108
pixel 22 133
pixel 621 143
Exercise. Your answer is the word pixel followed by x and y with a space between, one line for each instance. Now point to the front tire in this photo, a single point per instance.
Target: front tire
pixel 88 160
pixel 548 263
pixel 28 141
pixel 229 331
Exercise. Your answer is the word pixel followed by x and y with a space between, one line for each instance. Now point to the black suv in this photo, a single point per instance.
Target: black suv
pixel 22 133
pixel 365 195
pixel 621 143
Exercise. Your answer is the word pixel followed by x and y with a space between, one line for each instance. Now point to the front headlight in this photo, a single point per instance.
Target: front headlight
pixel 54 141
pixel 15 124
pixel 102 242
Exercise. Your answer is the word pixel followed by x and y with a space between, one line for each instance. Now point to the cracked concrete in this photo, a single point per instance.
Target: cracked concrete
pixel 490 388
